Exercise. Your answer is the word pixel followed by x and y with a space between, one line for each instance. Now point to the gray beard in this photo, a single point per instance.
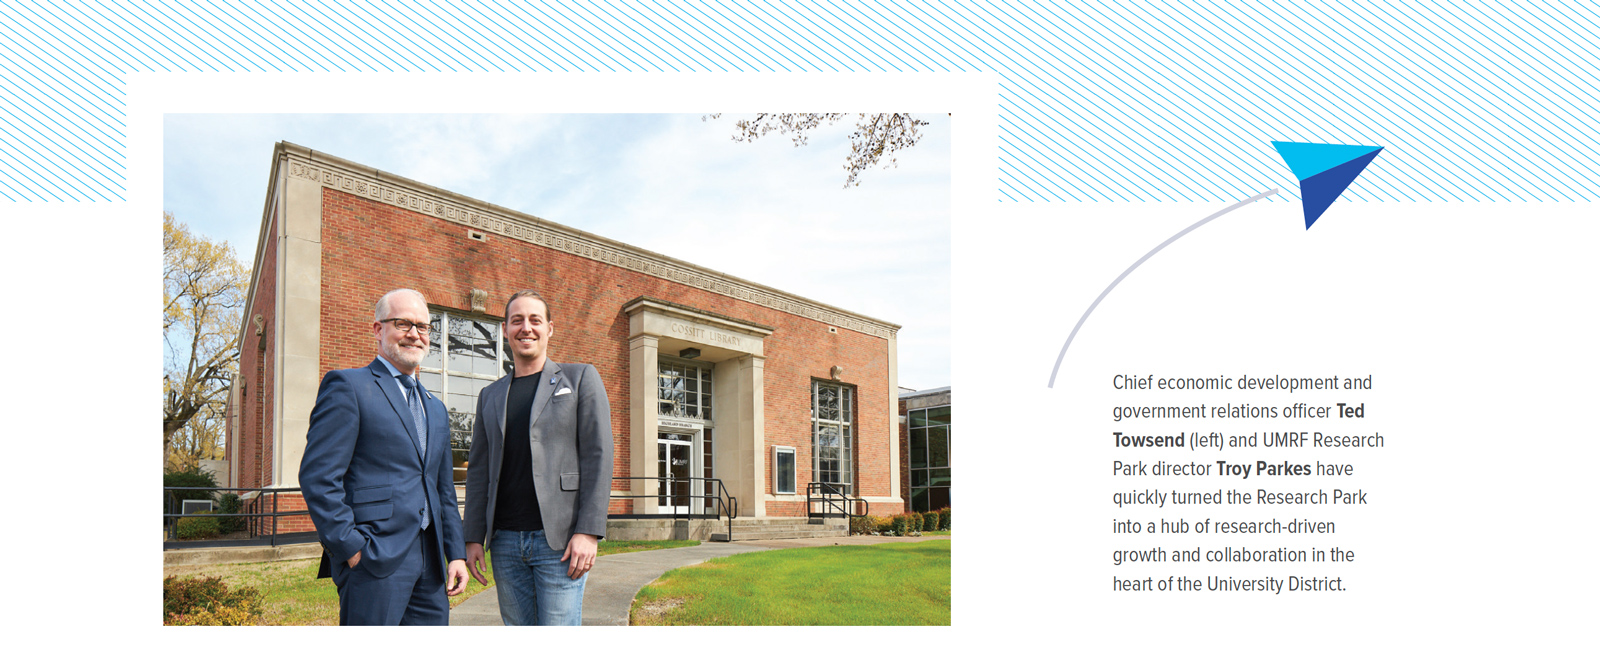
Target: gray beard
pixel 398 355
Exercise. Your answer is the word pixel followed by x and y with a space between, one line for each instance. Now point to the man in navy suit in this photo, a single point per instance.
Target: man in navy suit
pixel 377 480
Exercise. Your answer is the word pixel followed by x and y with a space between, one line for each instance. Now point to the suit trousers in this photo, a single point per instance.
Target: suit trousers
pixel 413 595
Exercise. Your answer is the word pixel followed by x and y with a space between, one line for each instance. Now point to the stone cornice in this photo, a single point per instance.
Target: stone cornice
pixel 373 184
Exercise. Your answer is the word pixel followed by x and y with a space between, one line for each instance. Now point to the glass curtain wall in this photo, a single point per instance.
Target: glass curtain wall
pixel 930 458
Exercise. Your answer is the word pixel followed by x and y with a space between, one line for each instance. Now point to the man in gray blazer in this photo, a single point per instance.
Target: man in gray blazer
pixel 538 475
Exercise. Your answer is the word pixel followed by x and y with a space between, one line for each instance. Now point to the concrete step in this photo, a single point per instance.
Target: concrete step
pixel 781 528
pixel 786 527
pixel 740 526
pixel 776 535
pixel 790 523
pixel 717 530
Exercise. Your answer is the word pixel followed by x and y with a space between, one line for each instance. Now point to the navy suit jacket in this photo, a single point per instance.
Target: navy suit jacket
pixel 364 479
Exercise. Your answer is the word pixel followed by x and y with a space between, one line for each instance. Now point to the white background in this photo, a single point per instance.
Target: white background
pixel 1476 323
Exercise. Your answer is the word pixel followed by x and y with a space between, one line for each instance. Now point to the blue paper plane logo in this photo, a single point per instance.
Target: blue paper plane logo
pixel 1324 171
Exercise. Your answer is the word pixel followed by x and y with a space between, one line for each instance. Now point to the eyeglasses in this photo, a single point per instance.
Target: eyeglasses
pixel 405 326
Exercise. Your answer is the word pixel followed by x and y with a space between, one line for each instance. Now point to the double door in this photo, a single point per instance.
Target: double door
pixel 674 468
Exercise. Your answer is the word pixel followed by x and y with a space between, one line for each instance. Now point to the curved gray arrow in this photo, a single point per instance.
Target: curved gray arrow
pixel 1152 252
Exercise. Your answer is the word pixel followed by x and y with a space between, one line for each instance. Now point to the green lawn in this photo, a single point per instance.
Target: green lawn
pixel 293 596
pixel 855 585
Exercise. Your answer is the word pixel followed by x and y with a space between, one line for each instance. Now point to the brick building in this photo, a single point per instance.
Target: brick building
pixel 708 375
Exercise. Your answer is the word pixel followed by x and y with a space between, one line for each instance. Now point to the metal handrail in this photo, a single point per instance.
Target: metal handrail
pixel 726 504
pixel 830 503
pixel 252 511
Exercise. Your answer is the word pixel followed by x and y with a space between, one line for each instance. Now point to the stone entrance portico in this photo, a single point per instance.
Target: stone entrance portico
pixel 735 347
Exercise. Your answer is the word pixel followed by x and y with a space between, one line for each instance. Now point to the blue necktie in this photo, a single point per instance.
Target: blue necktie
pixel 414 401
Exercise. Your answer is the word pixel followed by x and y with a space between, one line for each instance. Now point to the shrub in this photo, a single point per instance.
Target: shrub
pixel 196 528
pixel 944 519
pixel 222 616
pixel 189 478
pixel 229 503
pixel 863 525
pixel 901 525
pixel 207 601
pixel 930 521
pixel 879 524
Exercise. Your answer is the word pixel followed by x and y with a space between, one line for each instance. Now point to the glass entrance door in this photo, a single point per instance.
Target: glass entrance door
pixel 672 466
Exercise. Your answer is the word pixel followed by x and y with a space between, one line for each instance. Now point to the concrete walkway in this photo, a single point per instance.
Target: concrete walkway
pixel 615 579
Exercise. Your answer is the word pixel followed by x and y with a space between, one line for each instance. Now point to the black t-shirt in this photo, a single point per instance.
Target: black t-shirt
pixel 516 507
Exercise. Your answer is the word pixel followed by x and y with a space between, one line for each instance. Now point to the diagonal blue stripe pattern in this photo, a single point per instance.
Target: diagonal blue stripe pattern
pixel 1099 101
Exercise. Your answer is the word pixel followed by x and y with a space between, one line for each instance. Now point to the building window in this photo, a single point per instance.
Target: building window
pixel 465 354
pixel 683 390
pixel 930 458
pixel 783 470
pixel 831 443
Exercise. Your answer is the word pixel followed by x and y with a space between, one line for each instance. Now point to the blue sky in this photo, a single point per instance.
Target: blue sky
pixel 675 184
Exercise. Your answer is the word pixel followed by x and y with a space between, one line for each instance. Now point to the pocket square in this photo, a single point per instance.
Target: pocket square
pixel 563 391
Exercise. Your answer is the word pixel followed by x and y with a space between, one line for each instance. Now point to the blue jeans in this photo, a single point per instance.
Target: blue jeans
pixel 531 581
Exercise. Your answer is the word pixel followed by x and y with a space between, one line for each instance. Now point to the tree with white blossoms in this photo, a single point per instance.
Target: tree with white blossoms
pixel 203 290
pixel 876 135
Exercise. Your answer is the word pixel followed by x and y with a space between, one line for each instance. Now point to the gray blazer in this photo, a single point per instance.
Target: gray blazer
pixel 572 450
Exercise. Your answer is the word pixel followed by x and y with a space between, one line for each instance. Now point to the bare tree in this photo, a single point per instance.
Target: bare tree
pixel 203 290
pixel 200 438
pixel 876 135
